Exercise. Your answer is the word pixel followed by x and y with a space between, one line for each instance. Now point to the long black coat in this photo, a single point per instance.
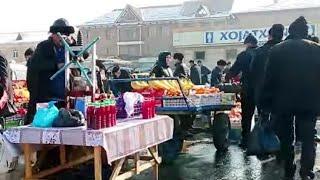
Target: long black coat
pixel 41 67
pixel 292 78
pixel 258 66
pixel 242 65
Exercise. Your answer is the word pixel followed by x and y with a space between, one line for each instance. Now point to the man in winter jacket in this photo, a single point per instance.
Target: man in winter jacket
pixel 204 71
pixel 48 58
pixel 259 62
pixel 217 72
pixel 181 69
pixel 242 65
pixel 195 75
pixel 291 90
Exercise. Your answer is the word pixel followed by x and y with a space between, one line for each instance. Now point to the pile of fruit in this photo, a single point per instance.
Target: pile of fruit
pixel 170 87
pixel 205 90
pixel 20 92
pixel 235 113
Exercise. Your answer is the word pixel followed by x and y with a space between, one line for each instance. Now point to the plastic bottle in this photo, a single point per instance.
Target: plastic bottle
pixel 90 115
pixel 103 115
pixel 108 120
pixel 98 116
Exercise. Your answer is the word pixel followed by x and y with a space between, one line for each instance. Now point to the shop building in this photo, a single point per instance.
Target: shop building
pixel 204 29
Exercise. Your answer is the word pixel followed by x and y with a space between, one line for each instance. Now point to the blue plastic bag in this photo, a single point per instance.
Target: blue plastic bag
pixel 45 116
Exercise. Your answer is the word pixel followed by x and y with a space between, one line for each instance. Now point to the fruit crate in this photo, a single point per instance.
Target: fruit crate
pixel 10 122
pixel 175 102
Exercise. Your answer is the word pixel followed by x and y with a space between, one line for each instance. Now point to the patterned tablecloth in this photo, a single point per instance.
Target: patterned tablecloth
pixel 128 137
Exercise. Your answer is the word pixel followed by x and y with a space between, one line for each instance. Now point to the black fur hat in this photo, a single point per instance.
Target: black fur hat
pixel 62 26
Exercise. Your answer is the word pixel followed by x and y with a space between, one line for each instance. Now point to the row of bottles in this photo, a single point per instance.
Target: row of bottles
pixel 101 114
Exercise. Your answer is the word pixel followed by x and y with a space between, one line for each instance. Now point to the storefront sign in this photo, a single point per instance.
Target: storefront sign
pixel 238 35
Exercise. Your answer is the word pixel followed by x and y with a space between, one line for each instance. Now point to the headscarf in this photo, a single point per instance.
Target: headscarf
pixel 162 59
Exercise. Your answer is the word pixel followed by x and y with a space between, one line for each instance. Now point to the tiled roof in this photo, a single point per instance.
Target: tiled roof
pixel 155 13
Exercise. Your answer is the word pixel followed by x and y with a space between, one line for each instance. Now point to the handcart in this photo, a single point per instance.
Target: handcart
pixel 186 113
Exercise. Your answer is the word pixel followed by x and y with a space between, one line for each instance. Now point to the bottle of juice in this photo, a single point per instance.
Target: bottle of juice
pixel 103 115
pixel 98 116
pixel 108 112
pixel 90 115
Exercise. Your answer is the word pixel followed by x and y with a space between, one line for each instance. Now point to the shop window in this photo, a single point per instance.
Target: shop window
pixel 200 55
pixel 15 54
pixel 231 54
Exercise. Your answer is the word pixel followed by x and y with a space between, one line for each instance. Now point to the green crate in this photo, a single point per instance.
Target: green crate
pixel 10 122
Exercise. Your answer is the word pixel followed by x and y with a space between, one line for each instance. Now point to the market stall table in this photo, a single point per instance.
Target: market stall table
pixel 121 142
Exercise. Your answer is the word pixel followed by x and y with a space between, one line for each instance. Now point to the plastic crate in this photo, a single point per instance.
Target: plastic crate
pixel 10 122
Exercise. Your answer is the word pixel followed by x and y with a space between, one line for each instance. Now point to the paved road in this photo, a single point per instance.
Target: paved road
pixel 202 162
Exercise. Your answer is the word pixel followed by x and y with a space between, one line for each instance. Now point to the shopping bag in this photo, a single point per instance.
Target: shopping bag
pixel 45 115
pixel 263 140
pixel 270 142
pixel 254 145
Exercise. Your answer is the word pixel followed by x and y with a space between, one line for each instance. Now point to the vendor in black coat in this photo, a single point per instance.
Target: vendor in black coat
pixel 48 58
pixel 291 90
pixel 242 65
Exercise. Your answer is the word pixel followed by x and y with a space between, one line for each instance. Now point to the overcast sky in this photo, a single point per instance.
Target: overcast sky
pixel 29 15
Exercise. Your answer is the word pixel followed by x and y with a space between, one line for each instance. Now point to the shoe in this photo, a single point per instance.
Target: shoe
pixel 307 176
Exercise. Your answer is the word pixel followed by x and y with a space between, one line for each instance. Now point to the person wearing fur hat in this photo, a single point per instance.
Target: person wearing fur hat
pixel 242 65
pixel 291 93
pixel 48 58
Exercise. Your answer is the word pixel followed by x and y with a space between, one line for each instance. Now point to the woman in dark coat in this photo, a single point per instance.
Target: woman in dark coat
pixel 162 69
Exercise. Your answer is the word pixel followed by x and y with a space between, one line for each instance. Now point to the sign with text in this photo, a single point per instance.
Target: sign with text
pixel 238 35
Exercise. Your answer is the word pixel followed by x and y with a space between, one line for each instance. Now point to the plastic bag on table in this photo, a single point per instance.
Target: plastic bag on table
pixel 45 115
pixel 130 100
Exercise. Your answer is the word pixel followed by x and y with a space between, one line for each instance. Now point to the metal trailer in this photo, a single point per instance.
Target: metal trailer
pixel 219 122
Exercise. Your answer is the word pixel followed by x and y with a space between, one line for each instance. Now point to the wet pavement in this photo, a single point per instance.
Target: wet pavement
pixel 201 161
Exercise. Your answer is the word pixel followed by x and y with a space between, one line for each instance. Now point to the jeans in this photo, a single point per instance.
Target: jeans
pixel 284 127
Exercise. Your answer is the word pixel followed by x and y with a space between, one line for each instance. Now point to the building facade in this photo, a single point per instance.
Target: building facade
pixel 13 45
pixel 206 29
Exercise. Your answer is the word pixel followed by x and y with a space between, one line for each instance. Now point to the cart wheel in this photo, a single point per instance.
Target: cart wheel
pixel 220 131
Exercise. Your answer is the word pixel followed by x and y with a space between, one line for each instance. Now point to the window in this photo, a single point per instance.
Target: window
pixel 231 54
pixel 200 55
pixel 129 34
pixel 15 54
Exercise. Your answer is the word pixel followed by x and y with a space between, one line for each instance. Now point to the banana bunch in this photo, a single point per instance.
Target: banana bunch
pixel 186 84
pixel 139 85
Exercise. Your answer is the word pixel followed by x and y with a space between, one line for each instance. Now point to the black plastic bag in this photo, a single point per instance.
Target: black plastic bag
pixel 69 118
pixel 254 144
pixel 262 140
